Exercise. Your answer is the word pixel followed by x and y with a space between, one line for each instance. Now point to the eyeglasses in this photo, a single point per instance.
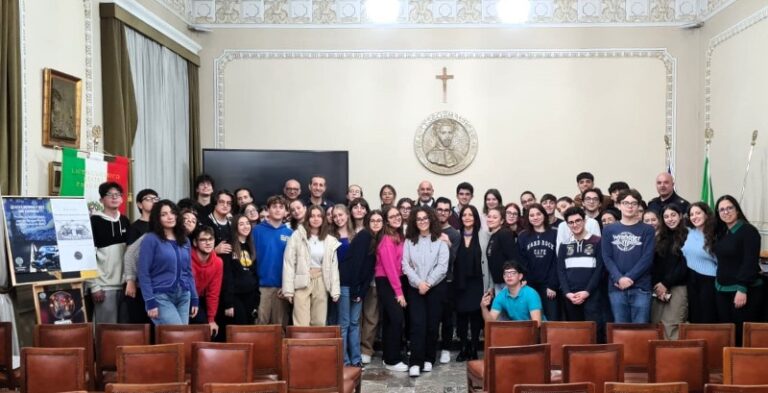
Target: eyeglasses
pixel 591 199
pixel 114 195
pixel 226 203
pixel 376 221
pixel 630 203
pixel 291 189
pixel 443 211
pixel 422 219
pixel 512 214
pixel 574 222
pixel 150 199
pixel 726 209
pixel 510 273
pixel 205 240
pixel 405 209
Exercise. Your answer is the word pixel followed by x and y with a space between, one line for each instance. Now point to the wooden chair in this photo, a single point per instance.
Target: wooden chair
pixel 49 370
pixel 717 336
pixel 509 366
pixel 167 364
pixel 183 334
pixel 581 387
pixel 176 387
pixel 108 338
pixel 596 363
pixel 667 387
pixel 7 378
pixel 221 362
pixel 254 387
pixel 719 388
pixel 745 366
pixel 267 343
pixel 634 337
pixel 678 361
pixel 313 332
pixel 316 366
pixel 755 335
pixel 500 334
pixel 76 335
pixel 558 334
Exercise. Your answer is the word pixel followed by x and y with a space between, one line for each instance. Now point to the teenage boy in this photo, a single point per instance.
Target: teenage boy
pixel 464 194
pixel 527 199
pixel 665 186
pixel 592 202
pixel 444 212
pixel 110 230
pixel 204 186
pixel 208 270
pixel 580 272
pixel 218 220
pixel 564 234
pixel 517 301
pixel 145 199
pixel 584 181
pixel 269 240
pixel 317 189
pixel 614 189
pixel 549 203
pixel 627 248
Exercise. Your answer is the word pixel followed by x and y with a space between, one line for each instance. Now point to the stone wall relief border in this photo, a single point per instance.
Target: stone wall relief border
pixel 231 55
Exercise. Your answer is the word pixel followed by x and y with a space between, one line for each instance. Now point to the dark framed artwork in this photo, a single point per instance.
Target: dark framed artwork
pixel 54 178
pixel 59 305
pixel 62 95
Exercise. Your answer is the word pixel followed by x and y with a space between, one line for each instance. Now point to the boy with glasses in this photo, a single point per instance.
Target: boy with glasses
pixel 517 301
pixel 444 213
pixel 218 220
pixel 145 199
pixel 627 248
pixel 110 229
pixel 208 271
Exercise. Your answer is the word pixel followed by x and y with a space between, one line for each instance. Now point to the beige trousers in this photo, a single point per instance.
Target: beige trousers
pixel 272 309
pixel 310 304
pixel 671 313
pixel 370 321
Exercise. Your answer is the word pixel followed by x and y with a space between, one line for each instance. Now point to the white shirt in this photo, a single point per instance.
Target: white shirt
pixel 564 234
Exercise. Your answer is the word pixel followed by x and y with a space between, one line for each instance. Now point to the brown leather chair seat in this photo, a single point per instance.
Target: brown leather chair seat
pixel 108 338
pixel 76 335
pixel 221 363
pixel 745 366
pixel 500 334
pixel 267 343
pixel 47 370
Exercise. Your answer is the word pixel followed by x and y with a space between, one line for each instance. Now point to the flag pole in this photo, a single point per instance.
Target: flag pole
pixel 668 150
pixel 749 160
pixel 707 195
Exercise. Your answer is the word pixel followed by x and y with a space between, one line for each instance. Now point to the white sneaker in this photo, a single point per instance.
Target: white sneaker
pixel 427 367
pixel 414 371
pixel 396 367
pixel 366 358
pixel 445 357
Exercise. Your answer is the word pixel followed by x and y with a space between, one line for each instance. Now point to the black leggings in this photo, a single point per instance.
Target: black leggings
pixel 392 316
pixel 472 321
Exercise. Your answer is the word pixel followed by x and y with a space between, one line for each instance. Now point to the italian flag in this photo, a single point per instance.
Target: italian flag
pixel 82 173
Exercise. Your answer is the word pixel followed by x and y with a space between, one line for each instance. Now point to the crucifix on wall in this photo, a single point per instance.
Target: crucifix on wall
pixel 444 77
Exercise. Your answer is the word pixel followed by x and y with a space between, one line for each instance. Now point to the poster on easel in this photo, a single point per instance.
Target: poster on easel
pixel 59 306
pixel 48 239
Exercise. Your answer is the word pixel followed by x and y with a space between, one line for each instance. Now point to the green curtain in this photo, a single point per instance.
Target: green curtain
pixel 195 152
pixel 10 99
pixel 119 102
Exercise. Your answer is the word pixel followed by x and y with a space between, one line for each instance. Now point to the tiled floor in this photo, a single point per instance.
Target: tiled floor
pixel 444 378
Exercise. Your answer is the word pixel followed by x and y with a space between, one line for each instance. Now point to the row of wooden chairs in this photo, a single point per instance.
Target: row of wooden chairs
pixel 308 366
pixel 620 387
pixel 671 361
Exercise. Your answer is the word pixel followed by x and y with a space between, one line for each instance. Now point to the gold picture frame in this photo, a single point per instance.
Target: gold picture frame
pixel 62 96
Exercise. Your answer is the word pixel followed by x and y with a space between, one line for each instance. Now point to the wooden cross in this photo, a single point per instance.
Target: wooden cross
pixel 444 77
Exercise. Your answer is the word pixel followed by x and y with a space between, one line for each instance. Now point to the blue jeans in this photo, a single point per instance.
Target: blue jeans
pixel 173 307
pixel 631 305
pixel 349 319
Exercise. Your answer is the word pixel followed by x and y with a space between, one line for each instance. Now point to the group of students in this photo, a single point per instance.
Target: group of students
pixel 420 267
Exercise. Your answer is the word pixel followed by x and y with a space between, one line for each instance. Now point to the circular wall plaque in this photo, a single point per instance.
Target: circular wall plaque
pixel 445 143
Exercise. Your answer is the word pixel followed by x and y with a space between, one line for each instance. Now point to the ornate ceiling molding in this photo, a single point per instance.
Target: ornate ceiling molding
pixel 441 13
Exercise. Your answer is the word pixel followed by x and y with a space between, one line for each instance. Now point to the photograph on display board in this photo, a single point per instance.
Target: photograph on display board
pixel 60 307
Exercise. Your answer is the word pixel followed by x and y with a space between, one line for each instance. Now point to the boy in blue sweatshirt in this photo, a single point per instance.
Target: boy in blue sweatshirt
pixel 269 240
pixel 627 248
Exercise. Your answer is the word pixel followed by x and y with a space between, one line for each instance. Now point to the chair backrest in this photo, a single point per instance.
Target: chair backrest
pixel 665 387
pixel 254 387
pixel 510 333
pixel 175 387
pixel 267 343
pixel 150 363
pixel 48 370
pixel 596 363
pixel 75 335
pixel 6 353
pixel 717 336
pixel 634 337
pixel 509 366
pixel 221 362
pixel 720 388
pixel 580 387
pixel 313 332
pixel 183 334
pixel 313 365
pixel 678 361
pixel 745 366
pixel 558 334
pixel 110 336
pixel 755 335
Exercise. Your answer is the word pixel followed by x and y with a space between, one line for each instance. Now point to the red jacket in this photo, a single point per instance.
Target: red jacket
pixel 208 276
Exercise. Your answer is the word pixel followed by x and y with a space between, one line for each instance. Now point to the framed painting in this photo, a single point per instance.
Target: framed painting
pixel 54 178
pixel 61 109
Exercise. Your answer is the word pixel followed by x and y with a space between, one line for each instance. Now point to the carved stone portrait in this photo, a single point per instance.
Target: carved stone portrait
pixel 445 143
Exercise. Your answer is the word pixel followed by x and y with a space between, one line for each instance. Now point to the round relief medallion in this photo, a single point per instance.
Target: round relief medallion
pixel 445 143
